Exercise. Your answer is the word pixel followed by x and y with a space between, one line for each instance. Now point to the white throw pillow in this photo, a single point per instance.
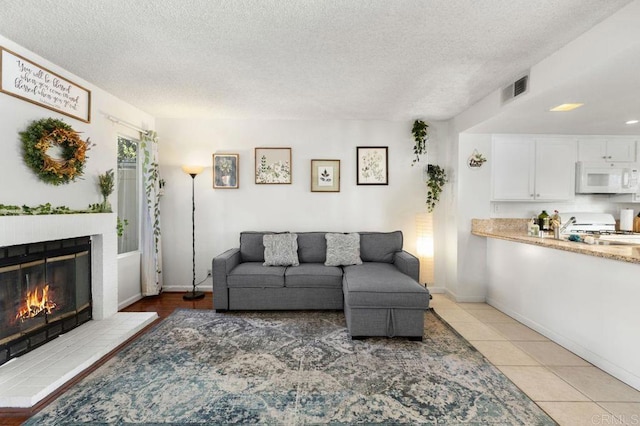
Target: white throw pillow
pixel 343 249
pixel 280 249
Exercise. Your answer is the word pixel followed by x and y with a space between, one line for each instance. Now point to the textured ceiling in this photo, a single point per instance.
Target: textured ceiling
pixel 299 59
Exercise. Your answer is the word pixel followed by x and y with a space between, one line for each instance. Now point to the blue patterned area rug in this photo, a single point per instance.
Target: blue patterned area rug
pixel 292 368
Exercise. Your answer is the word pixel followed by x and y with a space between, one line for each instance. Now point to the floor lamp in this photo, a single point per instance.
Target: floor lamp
pixel 193 172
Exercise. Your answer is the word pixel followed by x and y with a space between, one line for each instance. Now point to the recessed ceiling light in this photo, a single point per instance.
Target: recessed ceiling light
pixel 565 107
pixel 632 122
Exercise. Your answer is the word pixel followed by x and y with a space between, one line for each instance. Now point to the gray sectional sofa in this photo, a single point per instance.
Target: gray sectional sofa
pixel 380 297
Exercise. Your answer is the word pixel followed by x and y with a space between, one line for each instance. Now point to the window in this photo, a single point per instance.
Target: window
pixel 128 195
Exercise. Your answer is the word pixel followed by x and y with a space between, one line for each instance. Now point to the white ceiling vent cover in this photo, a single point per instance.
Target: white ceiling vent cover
pixel 515 89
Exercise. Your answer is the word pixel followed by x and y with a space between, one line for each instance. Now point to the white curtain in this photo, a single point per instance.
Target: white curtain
pixel 151 268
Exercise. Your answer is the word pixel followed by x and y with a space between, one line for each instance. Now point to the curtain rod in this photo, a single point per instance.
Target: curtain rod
pixel 125 124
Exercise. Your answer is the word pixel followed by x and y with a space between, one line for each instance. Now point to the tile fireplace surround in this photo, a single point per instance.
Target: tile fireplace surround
pixel 26 380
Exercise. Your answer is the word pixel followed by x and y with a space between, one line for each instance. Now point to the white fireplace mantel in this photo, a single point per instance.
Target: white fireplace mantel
pixel 101 227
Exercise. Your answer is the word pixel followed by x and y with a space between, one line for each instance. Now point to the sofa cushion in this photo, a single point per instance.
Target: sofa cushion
pixel 280 249
pixel 343 249
pixel 313 275
pixel 312 247
pixel 382 285
pixel 251 247
pixel 254 274
pixel 380 246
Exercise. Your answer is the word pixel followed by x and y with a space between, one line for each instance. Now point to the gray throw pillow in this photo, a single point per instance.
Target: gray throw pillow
pixel 343 249
pixel 280 249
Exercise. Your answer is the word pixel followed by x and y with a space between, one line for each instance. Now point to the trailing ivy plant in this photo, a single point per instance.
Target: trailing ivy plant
pixel 421 137
pixel 120 224
pixel 436 178
pixel 153 185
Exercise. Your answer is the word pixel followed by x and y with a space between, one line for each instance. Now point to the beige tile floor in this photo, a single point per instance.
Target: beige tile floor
pixel 569 389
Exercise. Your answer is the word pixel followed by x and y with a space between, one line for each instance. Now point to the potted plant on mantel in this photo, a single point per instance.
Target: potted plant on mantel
pixel 106 183
pixel 436 176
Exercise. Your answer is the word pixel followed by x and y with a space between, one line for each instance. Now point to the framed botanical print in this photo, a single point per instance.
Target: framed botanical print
pixel 325 175
pixel 373 165
pixel 225 171
pixel 273 165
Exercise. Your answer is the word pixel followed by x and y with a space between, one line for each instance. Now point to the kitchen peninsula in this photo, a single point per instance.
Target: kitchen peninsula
pixel 516 230
pixel 583 297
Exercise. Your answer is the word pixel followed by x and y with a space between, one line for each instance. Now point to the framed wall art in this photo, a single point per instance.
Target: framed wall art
pixel 226 171
pixel 325 175
pixel 373 165
pixel 273 165
pixel 26 80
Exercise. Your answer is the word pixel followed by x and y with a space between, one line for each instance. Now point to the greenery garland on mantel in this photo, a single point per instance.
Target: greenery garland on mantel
pixel 41 136
pixel 45 209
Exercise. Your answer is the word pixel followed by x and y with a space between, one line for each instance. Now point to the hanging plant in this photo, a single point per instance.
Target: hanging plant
pixel 47 133
pixel 421 137
pixel 436 178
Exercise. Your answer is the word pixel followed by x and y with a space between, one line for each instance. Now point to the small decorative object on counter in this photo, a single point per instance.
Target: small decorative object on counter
pixel 533 230
pixel 636 223
pixel 543 221
pixel 626 220
pixel 555 224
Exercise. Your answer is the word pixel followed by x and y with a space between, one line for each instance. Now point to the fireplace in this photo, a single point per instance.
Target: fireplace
pixel 45 291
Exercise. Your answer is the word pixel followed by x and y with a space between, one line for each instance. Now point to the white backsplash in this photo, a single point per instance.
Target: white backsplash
pixel 582 203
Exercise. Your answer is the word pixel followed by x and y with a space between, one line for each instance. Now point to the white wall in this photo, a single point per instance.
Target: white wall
pixel 222 214
pixel 19 185
pixel 473 194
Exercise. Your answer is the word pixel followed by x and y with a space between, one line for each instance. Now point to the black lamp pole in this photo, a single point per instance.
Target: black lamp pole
pixel 193 294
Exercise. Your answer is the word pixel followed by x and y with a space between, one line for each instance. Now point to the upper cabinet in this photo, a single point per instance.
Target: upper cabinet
pixel 528 168
pixel 620 149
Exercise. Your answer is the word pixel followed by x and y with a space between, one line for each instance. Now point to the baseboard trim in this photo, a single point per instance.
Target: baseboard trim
pixel 184 288
pixel 129 301
pixel 465 299
pixel 471 299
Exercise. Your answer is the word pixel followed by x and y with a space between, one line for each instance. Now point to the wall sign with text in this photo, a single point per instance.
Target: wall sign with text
pixel 26 80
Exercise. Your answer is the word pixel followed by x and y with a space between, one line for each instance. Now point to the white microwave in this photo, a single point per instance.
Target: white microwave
pixel 606 178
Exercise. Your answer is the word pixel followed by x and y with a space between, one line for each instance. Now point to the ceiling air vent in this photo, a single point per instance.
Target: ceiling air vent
pixel 515 89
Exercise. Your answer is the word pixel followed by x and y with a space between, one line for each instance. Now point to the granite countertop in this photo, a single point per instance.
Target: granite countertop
pixel 516 230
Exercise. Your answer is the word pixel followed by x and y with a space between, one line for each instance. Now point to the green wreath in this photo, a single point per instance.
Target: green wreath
pixel 43 134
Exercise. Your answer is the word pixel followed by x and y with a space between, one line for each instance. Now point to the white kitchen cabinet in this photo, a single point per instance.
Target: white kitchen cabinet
pixel 620 149
pixel 525 168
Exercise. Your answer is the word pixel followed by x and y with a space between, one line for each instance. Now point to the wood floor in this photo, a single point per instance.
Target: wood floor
pixel 163 304
pixel 166 303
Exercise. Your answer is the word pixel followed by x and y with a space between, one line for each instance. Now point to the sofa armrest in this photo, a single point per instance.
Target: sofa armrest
pixel 408 264
pixel 220 268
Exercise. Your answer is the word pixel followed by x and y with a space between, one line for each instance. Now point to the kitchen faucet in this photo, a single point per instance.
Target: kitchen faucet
pixel 571 221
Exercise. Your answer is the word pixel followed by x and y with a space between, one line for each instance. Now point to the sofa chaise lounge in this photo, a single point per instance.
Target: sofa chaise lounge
pixel 380 295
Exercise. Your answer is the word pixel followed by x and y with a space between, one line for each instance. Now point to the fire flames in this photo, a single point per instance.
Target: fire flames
pixel 36 303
